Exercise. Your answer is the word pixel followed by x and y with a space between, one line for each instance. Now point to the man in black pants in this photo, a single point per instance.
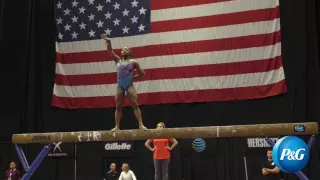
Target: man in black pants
pixel 112 174
pixel 269 170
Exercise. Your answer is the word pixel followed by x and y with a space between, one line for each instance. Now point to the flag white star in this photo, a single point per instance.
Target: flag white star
pixel 116 22
pixel 75 3
pixel 134 19
pixel 91 17
pixel 108 15
pixel 59 21
pixel 82 9
pixel 60 36
pixel 134 3
pixel 108 31
pixel 116 6
pixel 141 27
pixel 67 27
pixel 99 8
pixel 74 19
pixel 108 1
pixel 125 30
pixel 74 35
pixel 59 5
pixel 142 11
pixel 91 33
pixel 125 12
pixel 100 24
pixel 67 11
pixel 91 2
pixel 82 26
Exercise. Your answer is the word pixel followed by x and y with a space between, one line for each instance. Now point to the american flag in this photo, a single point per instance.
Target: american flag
pixel 191 50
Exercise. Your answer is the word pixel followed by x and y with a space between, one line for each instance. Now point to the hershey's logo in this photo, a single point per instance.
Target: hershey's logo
pixel 259 142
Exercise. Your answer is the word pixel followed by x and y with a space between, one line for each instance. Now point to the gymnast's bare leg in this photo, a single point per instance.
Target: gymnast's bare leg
pixel 120 95
pixel 133 98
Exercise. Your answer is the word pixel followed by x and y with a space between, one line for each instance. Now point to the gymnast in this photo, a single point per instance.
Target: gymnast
pixel 161 154
pixel 125 68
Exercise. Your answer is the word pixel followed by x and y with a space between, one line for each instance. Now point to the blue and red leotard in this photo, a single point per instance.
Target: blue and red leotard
pixel 124 70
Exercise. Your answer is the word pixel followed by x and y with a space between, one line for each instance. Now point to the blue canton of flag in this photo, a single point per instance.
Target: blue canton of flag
pixel 88 19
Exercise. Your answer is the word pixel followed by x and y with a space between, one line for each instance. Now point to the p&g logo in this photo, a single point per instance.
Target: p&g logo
pixel 290 154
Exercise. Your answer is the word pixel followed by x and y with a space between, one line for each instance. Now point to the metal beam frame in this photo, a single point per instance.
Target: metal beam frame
pixel 36 163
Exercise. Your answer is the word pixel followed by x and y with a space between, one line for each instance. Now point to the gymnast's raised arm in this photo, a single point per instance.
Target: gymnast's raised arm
pixel 115 57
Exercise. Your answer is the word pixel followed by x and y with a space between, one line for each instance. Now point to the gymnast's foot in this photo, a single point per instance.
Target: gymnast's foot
pixel 141 126
pixel 115 128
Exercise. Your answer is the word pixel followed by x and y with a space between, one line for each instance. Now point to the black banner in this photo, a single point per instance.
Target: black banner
pixel 60 150
pixel 256 155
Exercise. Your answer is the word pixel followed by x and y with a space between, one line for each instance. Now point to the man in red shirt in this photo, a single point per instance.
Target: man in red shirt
pixel 12 173
pixel 161 154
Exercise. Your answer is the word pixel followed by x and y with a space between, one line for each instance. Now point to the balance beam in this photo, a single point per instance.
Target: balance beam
pixel 280 129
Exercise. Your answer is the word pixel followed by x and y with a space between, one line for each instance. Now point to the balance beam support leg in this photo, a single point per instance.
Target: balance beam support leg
pixel 270 142
pixel 22 158
pixel 299 173
pixel 311 141
pixel 34 166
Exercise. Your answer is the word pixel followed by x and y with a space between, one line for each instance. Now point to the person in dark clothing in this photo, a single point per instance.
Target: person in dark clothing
pixel 12 173
pixel 269 170
pixel 112 174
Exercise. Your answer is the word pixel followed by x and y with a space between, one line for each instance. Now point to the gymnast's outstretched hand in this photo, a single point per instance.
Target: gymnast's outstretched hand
pixel 104 37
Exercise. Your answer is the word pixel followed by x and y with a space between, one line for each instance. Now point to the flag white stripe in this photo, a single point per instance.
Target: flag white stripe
pixel 180 60
pixel 183 84
pixel 211 33
pixel 211 9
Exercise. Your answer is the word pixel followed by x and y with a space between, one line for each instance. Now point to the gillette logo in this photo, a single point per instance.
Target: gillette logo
pixel 117 146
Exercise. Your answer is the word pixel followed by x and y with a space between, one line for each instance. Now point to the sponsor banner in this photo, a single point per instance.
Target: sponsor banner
pixel 118 149
pixel 62 150
pixel 41 138
pixel 256 155
pixel 259 142
pixel 118 146
pixel 258 146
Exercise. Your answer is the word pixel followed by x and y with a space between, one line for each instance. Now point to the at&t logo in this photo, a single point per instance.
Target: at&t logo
pixel 199 144
pixel 290 154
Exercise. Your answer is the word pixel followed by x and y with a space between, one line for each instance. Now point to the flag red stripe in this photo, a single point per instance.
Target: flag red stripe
pixel 177 48
pixel 216 20
pixel 177 72
pixel 176 97
pixel 164 4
